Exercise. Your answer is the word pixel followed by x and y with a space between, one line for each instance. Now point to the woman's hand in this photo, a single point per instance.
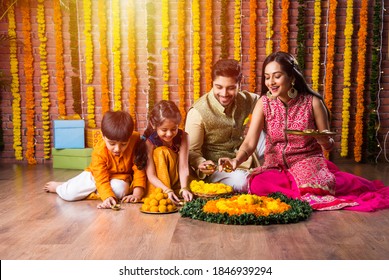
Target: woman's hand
pixel 227 164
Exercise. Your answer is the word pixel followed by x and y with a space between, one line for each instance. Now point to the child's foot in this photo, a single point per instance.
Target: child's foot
pixel 51 186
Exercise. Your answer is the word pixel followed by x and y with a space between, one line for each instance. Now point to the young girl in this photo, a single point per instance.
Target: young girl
pixel 165 152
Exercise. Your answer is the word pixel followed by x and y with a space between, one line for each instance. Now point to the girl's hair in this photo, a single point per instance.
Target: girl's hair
pixel 162 111
pixel 290 66
pixel 227 68
pixel 117 126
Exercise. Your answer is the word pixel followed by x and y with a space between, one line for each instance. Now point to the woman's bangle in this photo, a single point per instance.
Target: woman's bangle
pixel 182 189
pixel 244 151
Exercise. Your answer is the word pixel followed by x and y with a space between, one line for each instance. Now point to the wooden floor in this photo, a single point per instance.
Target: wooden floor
pixel 38 225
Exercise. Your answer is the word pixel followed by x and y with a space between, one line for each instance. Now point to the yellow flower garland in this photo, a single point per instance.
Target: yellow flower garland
pixel 269 26
pixel 348 32
pixel 237 30
pixel 362 34
pixel 104 65
pixel 196 48
pixel 209 188
pixel 16 111
pixel 132 59
pixel 29 76
pixel 90 94
pixel 316 47
pixel 253 46
pixel 246 204
pixel 59 49
pixel 165 46
pixel 208 45
pixel 87 8
pixel 89 73
pixel 284 26
pixel 44 79
pixel 117 72
pixel 181 58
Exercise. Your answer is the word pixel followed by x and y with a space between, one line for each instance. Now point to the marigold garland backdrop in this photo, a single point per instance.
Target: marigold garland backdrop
pixel 95 56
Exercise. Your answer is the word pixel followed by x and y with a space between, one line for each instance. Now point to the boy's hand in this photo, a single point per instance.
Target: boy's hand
pixel 131 198
pixel 107 203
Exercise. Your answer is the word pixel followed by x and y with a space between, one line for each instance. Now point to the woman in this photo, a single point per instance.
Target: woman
pixel 295 164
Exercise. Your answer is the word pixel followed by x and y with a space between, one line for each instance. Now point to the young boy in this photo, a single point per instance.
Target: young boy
pixel 112 174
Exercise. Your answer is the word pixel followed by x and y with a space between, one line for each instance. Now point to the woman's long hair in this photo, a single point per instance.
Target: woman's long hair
pixel 290 66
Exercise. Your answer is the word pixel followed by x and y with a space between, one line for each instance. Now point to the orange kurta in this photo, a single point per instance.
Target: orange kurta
pixel 105 166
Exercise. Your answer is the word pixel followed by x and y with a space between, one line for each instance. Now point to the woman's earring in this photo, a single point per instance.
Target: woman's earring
pixel 292 93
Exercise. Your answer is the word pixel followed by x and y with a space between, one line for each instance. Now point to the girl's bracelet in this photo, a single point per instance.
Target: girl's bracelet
pixel 183 189
pixel 168 191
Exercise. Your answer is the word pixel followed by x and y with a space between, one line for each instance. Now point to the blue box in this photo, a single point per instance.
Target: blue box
pixel 69 134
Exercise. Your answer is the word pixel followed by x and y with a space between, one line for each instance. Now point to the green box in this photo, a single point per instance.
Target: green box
pixel 71 158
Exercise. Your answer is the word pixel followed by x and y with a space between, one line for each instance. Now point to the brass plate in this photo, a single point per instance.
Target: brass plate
pixel 310 133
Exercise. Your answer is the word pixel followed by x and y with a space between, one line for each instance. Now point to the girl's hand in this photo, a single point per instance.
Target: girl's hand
pixel 131 199
pixel 107 203
pixel 172 196
pixel 186 195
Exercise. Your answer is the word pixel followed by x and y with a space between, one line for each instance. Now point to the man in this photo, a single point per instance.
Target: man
pixel 216 124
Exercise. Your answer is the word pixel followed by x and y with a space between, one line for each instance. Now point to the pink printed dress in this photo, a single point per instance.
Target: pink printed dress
pixel 295 165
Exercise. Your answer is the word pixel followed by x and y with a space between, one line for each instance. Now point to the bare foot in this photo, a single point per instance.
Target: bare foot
pixel 51 186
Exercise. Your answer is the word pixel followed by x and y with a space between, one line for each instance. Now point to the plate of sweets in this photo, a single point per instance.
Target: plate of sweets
pixel 310 132
pixel 158 203
pixel 209 190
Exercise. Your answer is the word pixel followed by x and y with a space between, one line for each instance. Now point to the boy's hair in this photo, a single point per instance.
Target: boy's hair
pixel 227 68
pixel 117 126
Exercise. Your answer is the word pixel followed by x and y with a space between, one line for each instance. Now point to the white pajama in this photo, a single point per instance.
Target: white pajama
pixel 239 178
pixel 84 184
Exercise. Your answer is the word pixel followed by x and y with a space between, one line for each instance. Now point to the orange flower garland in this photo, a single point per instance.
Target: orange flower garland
pixel 165 48
pixel 132 59
pixel 331 33
pixel 269 27
pixel 253 46
pixel 284 26
pixel 237 31
pixel 104 65
pixel 44 79
pixel 316 47
pixel 330 53
pixel 196 48
pixel 208 45
pixel 29 76
pixel 16 111
pixel 59 49
pixel 348 32
pixel 181 58
pixel 362 34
